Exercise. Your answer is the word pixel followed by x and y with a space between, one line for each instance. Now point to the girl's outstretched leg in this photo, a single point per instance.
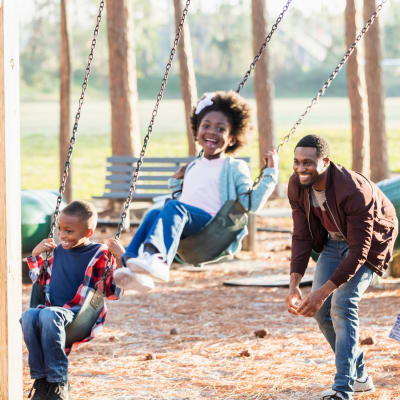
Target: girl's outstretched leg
pixel 141 234
pixel 175 219
pixel 124 277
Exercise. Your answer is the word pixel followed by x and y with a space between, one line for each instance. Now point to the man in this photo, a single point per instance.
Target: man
pixel 351 223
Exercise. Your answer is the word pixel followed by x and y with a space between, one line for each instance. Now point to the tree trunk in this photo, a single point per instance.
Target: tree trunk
pixel 262 84
pixel 357 96
pixel 65 96
pixel 375 91
pixel 188 79
pixel 125 129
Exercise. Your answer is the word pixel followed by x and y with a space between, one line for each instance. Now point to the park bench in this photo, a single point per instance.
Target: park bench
pixel 152 182
pixel 153 177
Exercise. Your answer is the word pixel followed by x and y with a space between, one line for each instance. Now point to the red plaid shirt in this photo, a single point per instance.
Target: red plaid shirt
pixel 93 274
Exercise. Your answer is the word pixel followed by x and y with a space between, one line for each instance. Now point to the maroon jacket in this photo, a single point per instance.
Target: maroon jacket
pixel 362 213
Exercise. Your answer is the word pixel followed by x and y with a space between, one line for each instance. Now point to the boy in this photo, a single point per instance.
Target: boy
pixel 77 264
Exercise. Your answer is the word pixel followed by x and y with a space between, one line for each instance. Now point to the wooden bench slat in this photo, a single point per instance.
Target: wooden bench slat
pixel 124 195
pixel 142 178
pixel 129 169
pixel 161 160
pixel 124 186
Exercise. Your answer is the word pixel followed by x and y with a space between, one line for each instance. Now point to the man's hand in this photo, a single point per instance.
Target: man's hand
pixel 293 299
pixel 314 301
pixel 45 245
pixel 294 296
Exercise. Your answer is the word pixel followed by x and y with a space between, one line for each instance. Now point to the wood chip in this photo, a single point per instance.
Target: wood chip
pixel 261 333
pixel 244 353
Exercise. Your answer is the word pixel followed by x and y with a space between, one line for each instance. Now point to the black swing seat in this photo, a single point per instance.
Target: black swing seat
pixel 84 320
pixel 212 240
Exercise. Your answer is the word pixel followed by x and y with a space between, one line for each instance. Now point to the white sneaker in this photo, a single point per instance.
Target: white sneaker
pixel 364 385
pixel 331 395
pixel 149 264
pixel 125 278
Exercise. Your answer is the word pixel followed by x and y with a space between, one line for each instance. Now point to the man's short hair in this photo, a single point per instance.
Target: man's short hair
pixel 318 142
pixel 85 211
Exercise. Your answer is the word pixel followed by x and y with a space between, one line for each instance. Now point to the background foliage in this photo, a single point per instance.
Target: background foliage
pixel 305 49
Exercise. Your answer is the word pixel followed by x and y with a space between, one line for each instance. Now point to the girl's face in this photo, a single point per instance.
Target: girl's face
pixel 214 134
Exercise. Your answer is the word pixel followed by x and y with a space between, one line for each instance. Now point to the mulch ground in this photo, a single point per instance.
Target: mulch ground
pixel 194 338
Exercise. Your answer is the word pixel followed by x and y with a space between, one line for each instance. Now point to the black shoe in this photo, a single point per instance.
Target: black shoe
pixel 41 387
pixel 58 391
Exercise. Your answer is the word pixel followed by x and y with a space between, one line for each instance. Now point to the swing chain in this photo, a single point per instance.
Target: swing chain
pixel 321 92
pixel 333 75
pixel 75 127
pixel 150 126
pixel 263 46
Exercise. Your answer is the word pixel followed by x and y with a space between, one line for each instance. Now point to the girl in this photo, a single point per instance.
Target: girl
pixel 221 123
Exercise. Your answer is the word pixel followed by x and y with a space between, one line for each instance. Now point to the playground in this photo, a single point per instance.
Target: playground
pixel 200 341
pixel 218 322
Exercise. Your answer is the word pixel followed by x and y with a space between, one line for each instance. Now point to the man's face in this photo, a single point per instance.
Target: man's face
pixel 309 168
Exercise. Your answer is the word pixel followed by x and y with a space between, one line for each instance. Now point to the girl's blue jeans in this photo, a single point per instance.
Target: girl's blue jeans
pixel 44 335
pixel 338 317
pixel 164 228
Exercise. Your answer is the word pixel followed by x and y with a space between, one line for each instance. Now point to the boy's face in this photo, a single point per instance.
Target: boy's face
pixel 72 231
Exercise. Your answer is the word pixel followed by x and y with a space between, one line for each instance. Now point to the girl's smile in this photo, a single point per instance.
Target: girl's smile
pixel 214 134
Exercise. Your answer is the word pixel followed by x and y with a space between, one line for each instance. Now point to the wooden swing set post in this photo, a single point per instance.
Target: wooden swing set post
pixel 10 203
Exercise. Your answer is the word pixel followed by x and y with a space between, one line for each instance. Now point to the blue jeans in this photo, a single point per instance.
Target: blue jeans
pixel 338 317
pixel 164 228
pixel 44 335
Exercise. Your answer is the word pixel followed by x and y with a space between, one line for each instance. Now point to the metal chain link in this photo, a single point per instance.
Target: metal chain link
pixel 151 123
pixel 75 127
pixel 327 83
pixel 263 46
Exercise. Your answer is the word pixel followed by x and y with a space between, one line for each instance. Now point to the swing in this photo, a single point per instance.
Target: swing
pixel 225 226
pixel 93 304
pixel 223 229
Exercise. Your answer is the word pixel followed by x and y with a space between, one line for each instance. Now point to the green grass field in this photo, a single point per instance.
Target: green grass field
pixel 39 141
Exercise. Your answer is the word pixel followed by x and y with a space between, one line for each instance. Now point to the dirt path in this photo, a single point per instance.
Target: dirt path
pixel 215 353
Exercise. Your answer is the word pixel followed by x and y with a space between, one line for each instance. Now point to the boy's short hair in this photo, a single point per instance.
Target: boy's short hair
pixel 85 211
pixel 236 109
pixel 318 142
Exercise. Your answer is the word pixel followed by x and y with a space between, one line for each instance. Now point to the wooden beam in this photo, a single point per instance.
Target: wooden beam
pixel 10 200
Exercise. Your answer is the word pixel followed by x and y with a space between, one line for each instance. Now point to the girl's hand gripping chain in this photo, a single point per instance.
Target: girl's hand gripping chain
pixel 271 158
pixel 180 173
